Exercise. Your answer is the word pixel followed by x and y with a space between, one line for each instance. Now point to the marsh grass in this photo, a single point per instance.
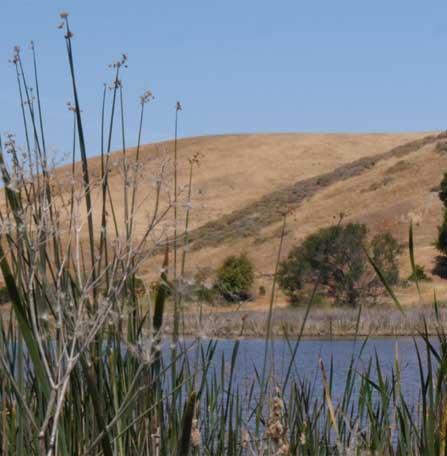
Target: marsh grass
pixel 86 366
pixel 326 322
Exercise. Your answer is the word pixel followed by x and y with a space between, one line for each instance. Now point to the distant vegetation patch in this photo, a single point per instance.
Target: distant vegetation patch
pixel 379 184
pixel 419 275
pixel 235 278
pixel 331 265
pixel 232 282
pixel 399 167
pixel 441 147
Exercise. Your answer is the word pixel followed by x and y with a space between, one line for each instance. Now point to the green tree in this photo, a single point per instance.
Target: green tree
pixel 441 242
pixel 385 252
pixel 235 278
pixel 443 190
pixel 334 258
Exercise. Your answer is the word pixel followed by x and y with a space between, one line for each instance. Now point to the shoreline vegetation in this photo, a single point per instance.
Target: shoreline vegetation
pixel 82 366
pixel 321 322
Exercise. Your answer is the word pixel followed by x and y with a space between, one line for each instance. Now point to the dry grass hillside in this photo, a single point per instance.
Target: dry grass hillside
pixel 244 183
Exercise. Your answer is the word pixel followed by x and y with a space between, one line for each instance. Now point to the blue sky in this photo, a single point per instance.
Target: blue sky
pixel 237 66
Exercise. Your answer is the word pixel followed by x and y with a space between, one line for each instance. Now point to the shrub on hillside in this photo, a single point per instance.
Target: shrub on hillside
pixel 334 258
pixel 443 190
pixel 419 274
pixel 441 242
pixel 441 147
pixel 235 278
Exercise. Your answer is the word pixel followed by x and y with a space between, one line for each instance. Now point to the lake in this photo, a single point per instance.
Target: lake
pixel 336 352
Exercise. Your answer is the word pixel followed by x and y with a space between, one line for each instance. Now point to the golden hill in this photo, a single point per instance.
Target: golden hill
pixel 245 182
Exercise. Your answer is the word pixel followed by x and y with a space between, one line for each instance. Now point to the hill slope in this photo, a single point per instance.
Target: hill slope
pixel 245 182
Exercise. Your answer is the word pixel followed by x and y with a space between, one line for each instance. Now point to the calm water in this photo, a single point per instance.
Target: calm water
pixel 339 352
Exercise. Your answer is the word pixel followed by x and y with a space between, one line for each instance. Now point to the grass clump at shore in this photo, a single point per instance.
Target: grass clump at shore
pixel 85 364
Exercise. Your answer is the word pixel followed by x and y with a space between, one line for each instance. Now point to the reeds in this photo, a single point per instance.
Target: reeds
pixel 85 365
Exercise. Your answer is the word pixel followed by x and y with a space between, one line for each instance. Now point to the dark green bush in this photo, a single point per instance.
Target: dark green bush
pixel 334 258
pixel 419 274
pixel 441 242
pixel 235 278
pixel 443 190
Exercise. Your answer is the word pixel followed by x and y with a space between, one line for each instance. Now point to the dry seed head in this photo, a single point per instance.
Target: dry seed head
pixel 275 427
pixel 146 97
pixel 196 438
pixel 16 54
pixel 275 430
pixel 117 84
pixel 119 63
pixel 69 35
pixel 278 405
pixel 195 159
pixel 245 438
pixel 178 106
pixel 63 15
pixel 71 107
pixel 283 450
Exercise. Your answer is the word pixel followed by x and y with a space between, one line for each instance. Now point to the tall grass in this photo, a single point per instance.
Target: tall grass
pixel 85 366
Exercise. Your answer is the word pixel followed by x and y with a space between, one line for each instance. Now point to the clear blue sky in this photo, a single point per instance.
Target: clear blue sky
pixel 237 65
